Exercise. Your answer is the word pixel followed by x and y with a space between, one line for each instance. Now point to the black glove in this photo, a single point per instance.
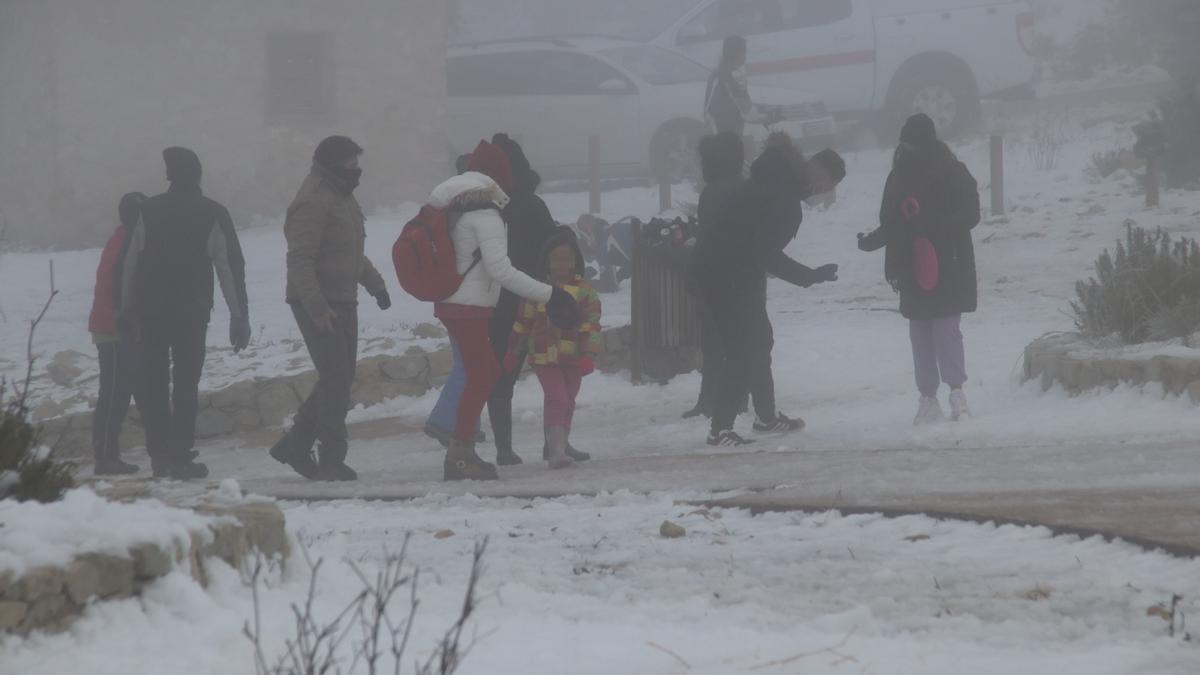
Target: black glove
pixel 383 299
pixel 562 309
pixel 239 332
pixel 826 273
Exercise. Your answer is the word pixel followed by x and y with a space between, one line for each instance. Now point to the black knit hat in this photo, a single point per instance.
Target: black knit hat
pixel 516 156
pixel 919 130
pixel 336 150
pixel 183 166
pixel 130 208
pixel 834 165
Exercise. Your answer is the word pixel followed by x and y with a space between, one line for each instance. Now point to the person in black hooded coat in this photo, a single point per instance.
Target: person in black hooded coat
pixel 530 226
pixel 730 268
pixel 926 173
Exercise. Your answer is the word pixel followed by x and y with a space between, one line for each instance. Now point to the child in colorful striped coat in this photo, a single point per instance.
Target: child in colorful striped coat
pixel 560 358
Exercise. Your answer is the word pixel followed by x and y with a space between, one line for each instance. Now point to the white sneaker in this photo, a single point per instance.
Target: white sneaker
pixel 958 405
pixel 929 411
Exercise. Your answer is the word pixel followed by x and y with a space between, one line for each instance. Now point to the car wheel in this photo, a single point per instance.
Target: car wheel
pixel 948 97
pixel 675 149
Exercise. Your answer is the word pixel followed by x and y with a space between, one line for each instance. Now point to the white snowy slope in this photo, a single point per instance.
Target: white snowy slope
pixel 587 586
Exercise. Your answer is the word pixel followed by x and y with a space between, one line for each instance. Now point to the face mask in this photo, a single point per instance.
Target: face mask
pixel 350 176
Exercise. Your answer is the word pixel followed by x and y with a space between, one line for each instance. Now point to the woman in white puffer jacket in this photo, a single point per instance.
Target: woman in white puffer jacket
pixel 474 200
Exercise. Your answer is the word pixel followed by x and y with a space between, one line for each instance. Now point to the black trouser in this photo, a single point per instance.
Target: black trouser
pixel 499 404
pixel 746 336
pixel 172 359
pixel 119 371
pixel 322 416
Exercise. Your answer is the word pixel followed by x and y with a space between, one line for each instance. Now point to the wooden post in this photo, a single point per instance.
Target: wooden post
pixel 664 185
pixel 998 175
pixel 1152 182
pixel 594 174
pixel 636 282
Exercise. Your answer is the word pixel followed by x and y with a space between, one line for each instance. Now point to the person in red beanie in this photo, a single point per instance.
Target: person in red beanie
pixel 474 201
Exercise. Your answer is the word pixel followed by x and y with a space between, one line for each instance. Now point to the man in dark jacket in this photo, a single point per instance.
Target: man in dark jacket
pixel 727 98
pixel 731 267
pixel 722 165
pixel 326 239
pixel 529 226
pixel 166 302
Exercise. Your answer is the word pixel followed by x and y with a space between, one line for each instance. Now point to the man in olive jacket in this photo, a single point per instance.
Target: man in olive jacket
pixel 325 266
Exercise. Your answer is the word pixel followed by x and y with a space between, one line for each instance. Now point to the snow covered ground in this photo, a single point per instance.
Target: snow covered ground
pixel 586 586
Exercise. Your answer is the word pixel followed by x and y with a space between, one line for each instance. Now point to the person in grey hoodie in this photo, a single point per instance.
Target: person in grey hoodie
pixel 326 264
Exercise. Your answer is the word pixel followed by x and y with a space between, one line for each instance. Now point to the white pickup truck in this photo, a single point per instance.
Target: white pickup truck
pixel 875 61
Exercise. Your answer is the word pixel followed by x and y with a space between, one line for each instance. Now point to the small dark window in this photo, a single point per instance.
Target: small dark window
pixel 300 85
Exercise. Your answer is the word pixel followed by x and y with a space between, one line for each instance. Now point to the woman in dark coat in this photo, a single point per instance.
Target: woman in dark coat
pixel 930 205
pixel 530 226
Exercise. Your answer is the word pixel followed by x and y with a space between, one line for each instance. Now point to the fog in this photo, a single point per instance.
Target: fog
pixel 93 90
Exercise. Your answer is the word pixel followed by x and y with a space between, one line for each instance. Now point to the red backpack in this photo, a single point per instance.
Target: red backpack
pixel 424 257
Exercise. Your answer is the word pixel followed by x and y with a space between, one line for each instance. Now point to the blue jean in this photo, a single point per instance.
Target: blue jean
pixel 445 411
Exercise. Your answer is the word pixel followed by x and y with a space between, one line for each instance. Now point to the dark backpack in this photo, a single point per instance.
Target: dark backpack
pixel 424 256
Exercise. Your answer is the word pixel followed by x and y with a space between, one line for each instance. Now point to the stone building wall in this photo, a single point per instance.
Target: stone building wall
pixel 113 82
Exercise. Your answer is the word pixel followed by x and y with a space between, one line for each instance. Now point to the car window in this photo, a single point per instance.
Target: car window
pixel 759 17
pixel 574 74
pixel 511 74
pixel 531 73
pixel 657 65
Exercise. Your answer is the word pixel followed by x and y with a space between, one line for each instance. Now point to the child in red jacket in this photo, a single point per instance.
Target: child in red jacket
pixel 118 368
pixel 560 358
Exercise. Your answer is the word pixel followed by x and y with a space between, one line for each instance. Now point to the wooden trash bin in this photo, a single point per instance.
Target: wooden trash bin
pixel 665 312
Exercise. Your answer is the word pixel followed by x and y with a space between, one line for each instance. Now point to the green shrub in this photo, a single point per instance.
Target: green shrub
pixel 28 470
pixel 1148 289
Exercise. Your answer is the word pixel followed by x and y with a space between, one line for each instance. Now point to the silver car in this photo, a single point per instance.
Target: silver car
pixel 642 101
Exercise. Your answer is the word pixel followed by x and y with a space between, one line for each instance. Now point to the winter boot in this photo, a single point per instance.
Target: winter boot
pixel 577 455
pixel 556 439
pixel 727 438
pixel 782 424
pixel 113 466
pixel 958 405
pixel 335 472
pixel 186 469
pixel 929 411
pixel 301 462
pixel 463 464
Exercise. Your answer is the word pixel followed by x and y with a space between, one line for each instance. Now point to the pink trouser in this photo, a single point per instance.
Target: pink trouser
pixel 560 384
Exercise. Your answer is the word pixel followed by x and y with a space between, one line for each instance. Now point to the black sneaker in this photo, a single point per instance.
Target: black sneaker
pixel 728 438
pixel 782 424
pixel 336 473
pixel 187 470
pixel 115 467
pixel 301 463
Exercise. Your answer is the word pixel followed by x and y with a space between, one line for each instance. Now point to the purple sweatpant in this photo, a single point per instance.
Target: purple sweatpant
pixel 937 347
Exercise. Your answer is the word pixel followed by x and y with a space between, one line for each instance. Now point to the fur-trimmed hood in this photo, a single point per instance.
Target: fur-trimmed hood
pixel 468 192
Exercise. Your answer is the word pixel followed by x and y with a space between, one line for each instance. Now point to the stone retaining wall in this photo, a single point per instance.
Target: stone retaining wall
pixel 50 599
pixel 264 403
pixel 1068 360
